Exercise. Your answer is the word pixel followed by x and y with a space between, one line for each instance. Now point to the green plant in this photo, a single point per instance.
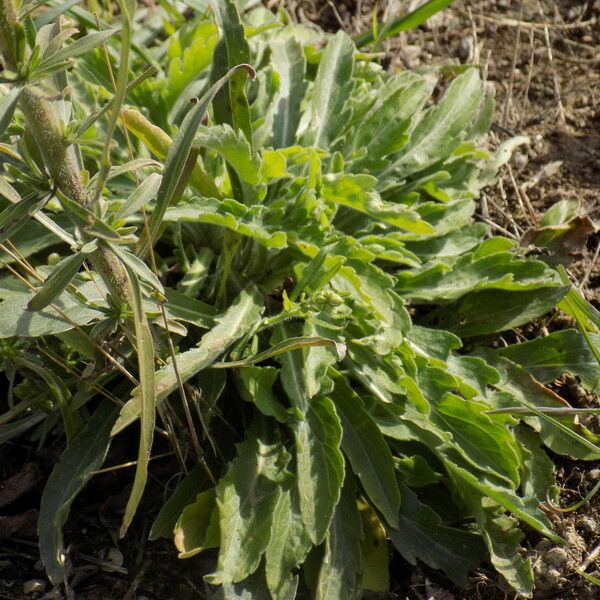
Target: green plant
pixel 295 280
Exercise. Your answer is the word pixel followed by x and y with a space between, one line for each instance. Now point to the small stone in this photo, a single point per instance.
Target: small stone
pixel 520 160
pixel 410 56
pixel 557 557
pixel 552 576
pixel 33 586
pixel 465 49
pixel 588 524
pixel 115 557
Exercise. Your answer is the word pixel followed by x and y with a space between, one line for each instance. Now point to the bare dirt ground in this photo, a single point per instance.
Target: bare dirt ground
pixel 543 60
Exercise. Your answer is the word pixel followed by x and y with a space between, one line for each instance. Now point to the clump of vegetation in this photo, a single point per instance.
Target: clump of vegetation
pixel 276 267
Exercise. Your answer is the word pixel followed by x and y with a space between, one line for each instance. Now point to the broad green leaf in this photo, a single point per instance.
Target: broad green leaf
pixel 288 546
pixel 369 455
pixel 234 147
pixel 422 535
pixel 189 54
pixel 252 588
pixel 442 128
pixel 287 58
pixel 57 282
pixel 331 89
pixel 384 129
pixel 566 351
pixel 358 192
pixel 83 456
pixel 17 320
pixel 240 318
pixel 146 394
pixel 503 310
pixel 197 528
pixel 257 387
pixel 502 537
pixel 526 509
pixel 319 465
pixel 232 104
pixel 230 214
pixel 559 434
pixel 539 477
pixel 342 562
pixel 438 282
pixel 486 441
pixel 185 493
pixel 247 497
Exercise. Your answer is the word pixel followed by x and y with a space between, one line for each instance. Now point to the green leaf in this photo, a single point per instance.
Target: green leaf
pixel 73 50
pixel 287 58
pixel 525 509
pixel 147 399
pixel 332 87
pixel 288 546
pixel 320 466
pixel 197 528
pixel 503 310
pixel 232 104
pixel 366 450
pixel 422 535
pixel 83 456
pixel 234 147
pixel 184 494
pixel 357 192
pixel 442 128
pixel 230 214
pixel 342 563
pixel 241 317
pixel 566 351
pixel 559 434
pixel 487 442
pixel 257 385
pixel 142 195
pixel 247 496
pixel 57 282
pixel 8 103
pixel 17 320
pixel 384 128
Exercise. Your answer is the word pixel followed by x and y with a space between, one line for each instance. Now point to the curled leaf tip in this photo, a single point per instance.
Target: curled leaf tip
pixel 248 68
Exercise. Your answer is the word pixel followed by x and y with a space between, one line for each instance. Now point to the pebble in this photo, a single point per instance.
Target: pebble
pixel 465 49
pixel 588 524
pixel 557 557
pixel 33 586
pixel 552 576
